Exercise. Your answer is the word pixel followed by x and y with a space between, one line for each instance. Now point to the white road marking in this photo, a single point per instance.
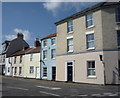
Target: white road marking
pixel 113 95
pixel 82 95
pixel 49 93
pixel 107 93
pixel 51 88
pixel 96 95
pixel 17 88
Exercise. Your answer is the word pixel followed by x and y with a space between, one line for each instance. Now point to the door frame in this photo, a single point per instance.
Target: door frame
pixel 36 73
pixel 66 73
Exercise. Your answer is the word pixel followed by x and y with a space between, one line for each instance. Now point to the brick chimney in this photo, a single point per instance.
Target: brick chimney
pixel 36 42
pixel 20 35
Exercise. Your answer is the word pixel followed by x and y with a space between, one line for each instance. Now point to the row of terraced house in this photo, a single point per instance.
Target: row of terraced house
pixel 84 49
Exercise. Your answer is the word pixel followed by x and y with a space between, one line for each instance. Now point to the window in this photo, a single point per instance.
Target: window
pixel 31 69
pixel 15 60
pixel 15 70
pixel 89 20
pixel 90 41
pixel 44 71
pixel 20 70
pixel 21 59
pixel 53 53
pixel 8 69
pixel 118 37
pixel 70 26
pixel 119 68
pixel 45 43
pixel 31 57
pixel 117 14
pixel 53 41
pixel 70 45
pixel 91 68
pixel 45 54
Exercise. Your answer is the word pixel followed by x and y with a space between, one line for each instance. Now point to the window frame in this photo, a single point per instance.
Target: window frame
pixel 88 20
pixel 118 38
pixel 89 68
pixel 70 27
pixel 53 41
pixel 31 70
pixel 44 56
pixel 45 43
pixel 117 14
pixel 68 45
pixel 45 73
pixel 53 54
pixel 87 34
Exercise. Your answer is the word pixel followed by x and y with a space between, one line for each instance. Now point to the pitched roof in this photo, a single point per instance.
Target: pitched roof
pixel 87 10
pixel 48 36
pixel 27 51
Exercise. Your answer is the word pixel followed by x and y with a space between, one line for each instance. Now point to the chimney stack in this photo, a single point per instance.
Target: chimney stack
pixel 20 35
pixel 36 42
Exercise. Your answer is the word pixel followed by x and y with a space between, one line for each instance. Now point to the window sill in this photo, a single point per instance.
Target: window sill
pixel 117 22
pixel 44 77
pixel 53 58
pixel 93 48
pixel 70 51
pixel 91 77
pixel 91 26
pixel 70 32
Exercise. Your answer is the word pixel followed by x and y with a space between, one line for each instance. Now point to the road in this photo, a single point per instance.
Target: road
pixel 31 87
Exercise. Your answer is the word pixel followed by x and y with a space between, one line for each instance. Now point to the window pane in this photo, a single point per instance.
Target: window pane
pixel 53 53
pixel 70 44
pixel 45 72
pixel 117 14
pixel 118 37
pixel 70 26
pixel 53 41
pixel 89 16
pixel 91 68
pixel 90 40
pixel 89 20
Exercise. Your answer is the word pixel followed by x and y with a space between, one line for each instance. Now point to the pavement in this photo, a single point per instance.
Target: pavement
pixel 12 86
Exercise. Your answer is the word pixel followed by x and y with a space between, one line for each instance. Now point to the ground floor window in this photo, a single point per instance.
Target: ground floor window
pixel 119 68
pixel 20 70
pixel 44 71
pixel 8 69
pixel 15 70
pixel 91 68
pixel 31 69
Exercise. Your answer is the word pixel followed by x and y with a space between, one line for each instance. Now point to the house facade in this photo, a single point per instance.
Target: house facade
pixel 48 57
pixel 26 62
pixel 13 46
pixel 88 45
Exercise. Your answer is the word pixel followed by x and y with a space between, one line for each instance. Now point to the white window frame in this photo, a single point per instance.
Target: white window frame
pixel 68 38
pixel 91 76
pixel 44 58
pixel 45 72
pixel 87 20
pixel 52 41
pixel 89 33
pixel 31 71
pixel 52 53
pixel 44 41
pixel 69 26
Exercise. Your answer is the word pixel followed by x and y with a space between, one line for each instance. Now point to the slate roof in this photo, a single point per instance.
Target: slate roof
pixel 49 36
pixel 85 11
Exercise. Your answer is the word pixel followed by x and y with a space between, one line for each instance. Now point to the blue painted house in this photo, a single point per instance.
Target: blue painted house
pixel 48 57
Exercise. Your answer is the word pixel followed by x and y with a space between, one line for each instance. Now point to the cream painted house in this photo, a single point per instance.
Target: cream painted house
pixel 88 45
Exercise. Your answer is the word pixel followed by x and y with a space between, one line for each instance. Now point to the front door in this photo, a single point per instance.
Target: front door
pixel 70 73
pixel 37 72
pixel 53 73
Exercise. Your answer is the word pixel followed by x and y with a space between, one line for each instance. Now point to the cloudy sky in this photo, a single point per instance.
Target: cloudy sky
pixel 35 19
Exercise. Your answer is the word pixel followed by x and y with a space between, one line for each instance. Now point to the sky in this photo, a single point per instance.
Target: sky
pixel 35 19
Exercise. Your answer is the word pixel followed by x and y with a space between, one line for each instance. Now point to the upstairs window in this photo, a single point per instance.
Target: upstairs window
pixel 15 71
pixel 117 10
pixel 118 37
pixel 15 59
pixel 21 59
pixel 70 26
pixel 90 41
pixel 44 71
pixel 31 57
pixel 44 43
pixel 70 45
pixel 45 54
pixel 89 20
pixel 53 41
pixel 53 53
